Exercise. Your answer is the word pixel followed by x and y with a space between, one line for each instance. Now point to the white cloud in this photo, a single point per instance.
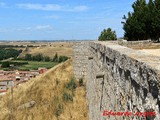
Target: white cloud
pixel 23 29
pixel 80 8
pixel 37 27
pixel 34 28
pixel 52 17
pixel 52 7
pixel 48 7
pixel 43 27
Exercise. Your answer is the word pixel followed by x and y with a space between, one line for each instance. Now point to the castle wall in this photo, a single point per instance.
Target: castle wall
pixel 118 79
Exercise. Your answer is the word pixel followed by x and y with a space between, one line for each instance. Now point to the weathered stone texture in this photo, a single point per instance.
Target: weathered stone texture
pixel 118 79
pixel 80 59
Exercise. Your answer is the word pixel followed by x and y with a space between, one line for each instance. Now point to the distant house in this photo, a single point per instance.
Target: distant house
pixel 26 78
pixel 35 72
pixel 3 88
pixel 42 70
pixel 5 80
pixel 7 83
pixel 9 79
pixel 1 73
pixel 30 75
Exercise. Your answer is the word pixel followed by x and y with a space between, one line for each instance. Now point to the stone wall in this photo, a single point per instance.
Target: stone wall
pixel 80 59
pixel 118 79
pixel 142 44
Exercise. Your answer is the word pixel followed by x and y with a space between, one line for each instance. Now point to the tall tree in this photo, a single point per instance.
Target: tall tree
pixel 55 58
pixel 28 57
pixel 144 22
pixel 156 21
pixel 107 34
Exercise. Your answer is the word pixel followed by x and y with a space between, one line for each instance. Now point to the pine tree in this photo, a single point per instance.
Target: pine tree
pixel 55 58
pixel 156 21
pixel 144 22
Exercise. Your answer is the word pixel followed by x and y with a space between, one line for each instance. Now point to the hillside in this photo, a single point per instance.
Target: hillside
pixel 53 96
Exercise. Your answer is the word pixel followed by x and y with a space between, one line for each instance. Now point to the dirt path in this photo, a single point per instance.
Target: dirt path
pixel 154 52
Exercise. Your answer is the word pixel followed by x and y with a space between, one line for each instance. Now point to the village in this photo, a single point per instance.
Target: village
pixel 11 79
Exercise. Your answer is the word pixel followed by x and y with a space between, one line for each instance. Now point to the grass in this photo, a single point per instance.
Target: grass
pixel 33 65
pixel 53 99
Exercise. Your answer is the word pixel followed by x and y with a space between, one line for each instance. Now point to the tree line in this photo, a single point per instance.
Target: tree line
pixel 8 53
pixel 6 64
pixel 40 57
pixel 11 46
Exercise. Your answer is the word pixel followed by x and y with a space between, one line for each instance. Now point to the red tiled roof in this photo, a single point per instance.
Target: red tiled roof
pixel 3 91
pixel 5 78
pixel 11 75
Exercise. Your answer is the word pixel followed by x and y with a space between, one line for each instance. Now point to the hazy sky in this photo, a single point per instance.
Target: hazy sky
pixel 60 19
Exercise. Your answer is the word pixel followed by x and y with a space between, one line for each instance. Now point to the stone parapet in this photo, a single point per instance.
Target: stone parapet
pixel 118 79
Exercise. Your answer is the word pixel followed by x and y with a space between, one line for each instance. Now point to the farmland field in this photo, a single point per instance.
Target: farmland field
pixel 45 48
pixel 33 65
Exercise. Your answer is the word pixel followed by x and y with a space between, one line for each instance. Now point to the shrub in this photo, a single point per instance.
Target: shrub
pixel 5 64
pixel 6 69
pixel 59 59
pixel 71 84
pixel 18 63
pixel 38 57
pixel 81 82
pixel 57 81
pixel 46 59
pixel 67 97
pixel 62 58
pixel 28 57
pixel 58 109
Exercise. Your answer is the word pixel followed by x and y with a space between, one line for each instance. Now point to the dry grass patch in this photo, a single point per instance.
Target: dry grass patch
pixel 48 92
pixel 61 48
pixel 45 50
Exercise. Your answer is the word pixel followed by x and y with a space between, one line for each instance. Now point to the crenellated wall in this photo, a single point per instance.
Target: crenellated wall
pixel 118 79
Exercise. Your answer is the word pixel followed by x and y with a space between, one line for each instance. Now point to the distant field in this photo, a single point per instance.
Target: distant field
pixel 49 51
pixel 32 65
pixel 45 48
